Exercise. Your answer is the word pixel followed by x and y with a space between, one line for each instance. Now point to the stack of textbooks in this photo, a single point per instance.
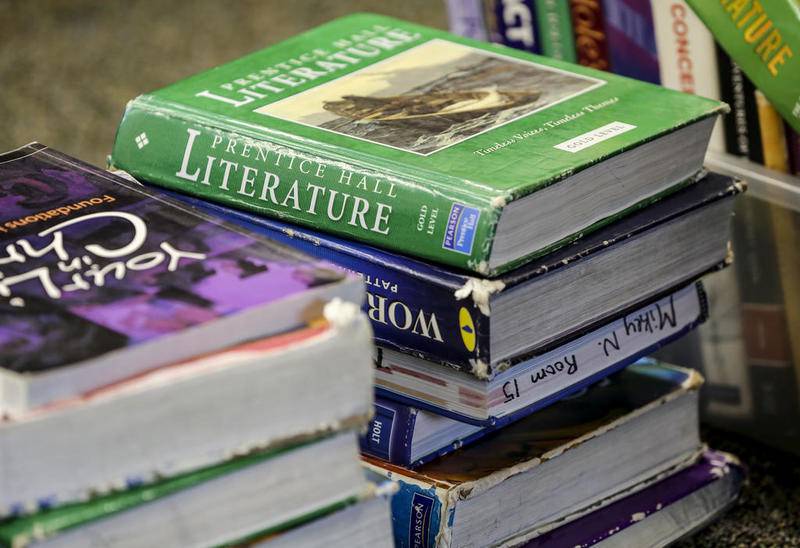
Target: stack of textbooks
pixel 168 380
pixel 526 228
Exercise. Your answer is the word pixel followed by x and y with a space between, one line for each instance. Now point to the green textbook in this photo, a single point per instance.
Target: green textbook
pixel 467 154
pixel 763 37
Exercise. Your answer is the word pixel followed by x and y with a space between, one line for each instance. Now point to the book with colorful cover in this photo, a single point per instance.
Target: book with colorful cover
pixel 446 316
pixel 764 39
pixel 552 466
pixel 417 141
pixel 101 279
pixel 632 39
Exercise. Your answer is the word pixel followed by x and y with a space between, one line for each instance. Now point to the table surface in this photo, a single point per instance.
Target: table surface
pixel 68 68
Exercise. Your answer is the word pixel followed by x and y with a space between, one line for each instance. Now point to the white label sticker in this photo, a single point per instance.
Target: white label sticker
pixel 595 136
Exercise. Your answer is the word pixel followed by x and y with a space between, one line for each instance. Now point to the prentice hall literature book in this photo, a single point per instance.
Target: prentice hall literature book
pixel 452 150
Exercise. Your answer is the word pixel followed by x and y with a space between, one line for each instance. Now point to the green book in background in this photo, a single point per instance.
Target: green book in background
pixel 555 29
pixel 405 137
pixel 180 507
pixel 763 38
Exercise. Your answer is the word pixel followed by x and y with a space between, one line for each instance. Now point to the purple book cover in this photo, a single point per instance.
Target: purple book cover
pixel 631 39
pixel 91 263
pixel 604 523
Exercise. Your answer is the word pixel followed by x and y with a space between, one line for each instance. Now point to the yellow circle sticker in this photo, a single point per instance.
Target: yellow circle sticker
pixel 467 329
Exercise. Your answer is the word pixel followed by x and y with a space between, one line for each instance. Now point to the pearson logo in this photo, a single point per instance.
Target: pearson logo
pixel 420 520
pixel 459 233
pixel 467 328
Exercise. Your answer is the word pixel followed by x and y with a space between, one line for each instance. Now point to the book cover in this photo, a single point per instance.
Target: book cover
pixel 442 314
pixel 764 39
pixel 94 265
pixel 555 29
pixel 425 507
pixel 393 134
pixel 632 39
pixel 591 42
pixel 687 56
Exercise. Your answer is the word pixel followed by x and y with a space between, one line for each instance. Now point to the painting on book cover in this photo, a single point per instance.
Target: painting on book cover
pixel 431 97
pixel 91 264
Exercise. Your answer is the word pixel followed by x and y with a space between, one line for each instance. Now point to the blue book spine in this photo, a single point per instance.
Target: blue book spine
pixel 515 24
pixel 414 307
pixel 418 515
pixel 389 434
pixel 632 39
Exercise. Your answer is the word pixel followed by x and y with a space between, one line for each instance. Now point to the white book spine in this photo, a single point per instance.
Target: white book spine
pixel 686 55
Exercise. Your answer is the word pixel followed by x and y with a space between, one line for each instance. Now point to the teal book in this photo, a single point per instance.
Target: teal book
pixel 445 148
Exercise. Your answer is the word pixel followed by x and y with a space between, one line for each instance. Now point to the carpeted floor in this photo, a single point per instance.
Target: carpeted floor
pixel 67 69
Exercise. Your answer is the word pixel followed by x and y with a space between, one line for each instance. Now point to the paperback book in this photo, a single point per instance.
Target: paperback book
pixel 410 139
pixel 102 279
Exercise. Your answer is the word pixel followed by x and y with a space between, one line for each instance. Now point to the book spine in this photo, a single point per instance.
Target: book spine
pixel 753 125
pixel 793 144
pixel 733 91
pixel 687 55
pixel 465 18
pixel 389 433
pixel 631 39
pixel 513 24
pixel 555 29
pixel 410 313
pixel 207 156
pixel 591 44
pixel 419 516
pixel 773 139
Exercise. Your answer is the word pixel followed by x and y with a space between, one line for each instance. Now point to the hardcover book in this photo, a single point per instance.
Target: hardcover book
pixel 475 324
pixel 661 513
pixel 764 39
pixel 578 455
pixel 393 134
pixel 102 279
